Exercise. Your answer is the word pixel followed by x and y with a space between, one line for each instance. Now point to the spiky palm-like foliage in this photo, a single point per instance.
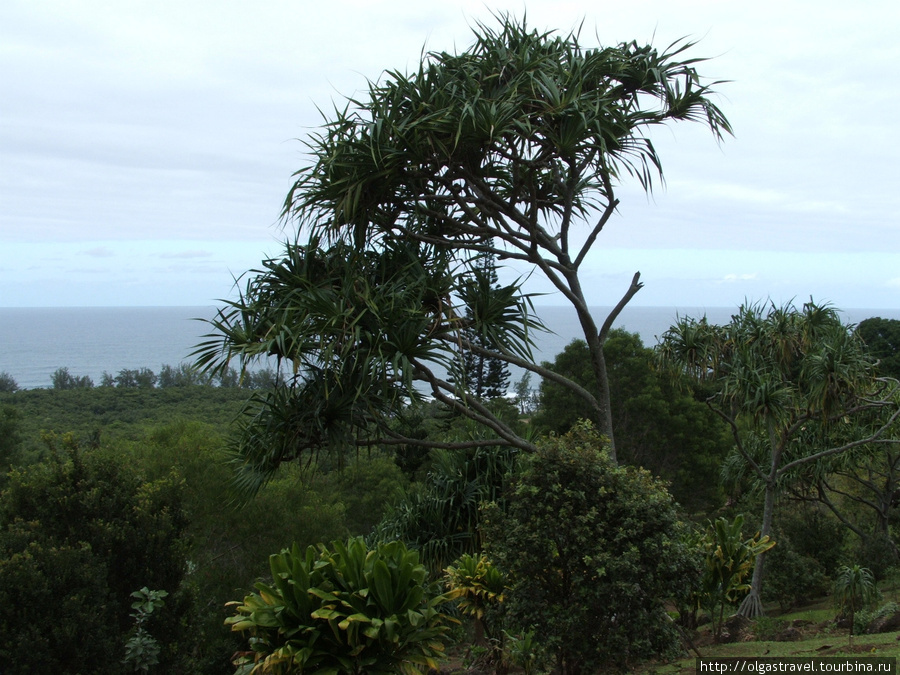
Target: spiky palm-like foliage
pixel 505 148
pixel 795 385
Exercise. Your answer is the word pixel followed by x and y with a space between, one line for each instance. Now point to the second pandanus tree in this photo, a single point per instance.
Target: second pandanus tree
pixel 795 386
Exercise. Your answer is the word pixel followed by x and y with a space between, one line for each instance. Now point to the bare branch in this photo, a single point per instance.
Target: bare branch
pixel 636 285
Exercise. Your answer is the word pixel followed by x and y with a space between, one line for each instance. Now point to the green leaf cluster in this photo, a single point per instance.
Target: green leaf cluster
pixel 343 609
pixel 498 150
pixel 440 516
pixel 358 330
pixel 476 584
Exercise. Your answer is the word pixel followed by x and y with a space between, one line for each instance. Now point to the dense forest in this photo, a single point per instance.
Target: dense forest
pixel 382 502
pixel 115 489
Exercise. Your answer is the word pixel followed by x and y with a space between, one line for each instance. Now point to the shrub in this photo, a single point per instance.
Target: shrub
pixel 594 550
pixel 343 609
pixel 865 619
pixel 440 516
pixel 477 586
pixel 792 578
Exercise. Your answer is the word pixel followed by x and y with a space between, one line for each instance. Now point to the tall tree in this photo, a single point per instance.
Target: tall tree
pixel 882 337
pixel 794 385
pixel 506 148
pixel 657 425
pixel 486 375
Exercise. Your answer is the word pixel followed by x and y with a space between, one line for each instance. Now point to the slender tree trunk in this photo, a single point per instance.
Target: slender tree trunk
pixel 752 607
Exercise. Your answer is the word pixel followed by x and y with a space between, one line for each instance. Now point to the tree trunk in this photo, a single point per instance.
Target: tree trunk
pixel 752 607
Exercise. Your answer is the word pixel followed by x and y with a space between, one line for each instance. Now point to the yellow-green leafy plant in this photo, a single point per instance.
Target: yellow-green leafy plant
pixel 728 563
pixel 343 609
pixel 477 585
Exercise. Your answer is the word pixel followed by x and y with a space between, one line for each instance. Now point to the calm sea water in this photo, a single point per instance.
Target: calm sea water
pixel 34 342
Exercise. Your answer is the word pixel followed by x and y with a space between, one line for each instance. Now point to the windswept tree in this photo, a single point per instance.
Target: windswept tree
pixel 796 386
pixel 511 148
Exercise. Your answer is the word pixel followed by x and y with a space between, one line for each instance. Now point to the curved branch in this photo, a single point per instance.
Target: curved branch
pixel 471 408
pixel 545 373
pixel 636 285
pixel 842 448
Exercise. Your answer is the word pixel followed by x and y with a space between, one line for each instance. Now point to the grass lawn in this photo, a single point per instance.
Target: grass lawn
pixel 817 637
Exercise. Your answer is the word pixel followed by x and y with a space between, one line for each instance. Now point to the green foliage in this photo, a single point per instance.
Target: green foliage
pixel 793 578
pixel 767 629
pixel 879 554
pixel 523 651
pixel 8 384
pixel 527 399
pixel 810 547
pixel 77 534
pixel 515 140
pixel 854 589
pixel 594 551
pixel 865 617
pixel 343 609
pixel 348 388
pixel 227 531
pixel 10 439
pixel 728 562
pixel 477 586
pixel 484 375
pixel 143 378
pixel 117 413
pixel 63 379
pixel 657 424
pixel 882 338
pixel 142 649
pixel 182 375
pixel 796 386
pixel 440 516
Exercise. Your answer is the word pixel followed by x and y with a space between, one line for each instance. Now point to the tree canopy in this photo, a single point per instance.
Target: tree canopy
pixel 506 148
pixel 657 424
pixel 794 385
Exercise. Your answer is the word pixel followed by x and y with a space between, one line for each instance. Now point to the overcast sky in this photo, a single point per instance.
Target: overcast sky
pixel 146 147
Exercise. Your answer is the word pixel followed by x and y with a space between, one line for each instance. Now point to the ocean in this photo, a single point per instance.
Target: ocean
pixel 34 342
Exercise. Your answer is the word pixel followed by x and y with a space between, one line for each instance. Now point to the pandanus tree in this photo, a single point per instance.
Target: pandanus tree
pixel 512 148
pixel 795 386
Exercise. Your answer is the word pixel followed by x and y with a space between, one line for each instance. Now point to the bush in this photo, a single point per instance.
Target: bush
pixel 343 609
pixel 792 579
pixel 594 550
pixel 10 439
pixel 728 563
